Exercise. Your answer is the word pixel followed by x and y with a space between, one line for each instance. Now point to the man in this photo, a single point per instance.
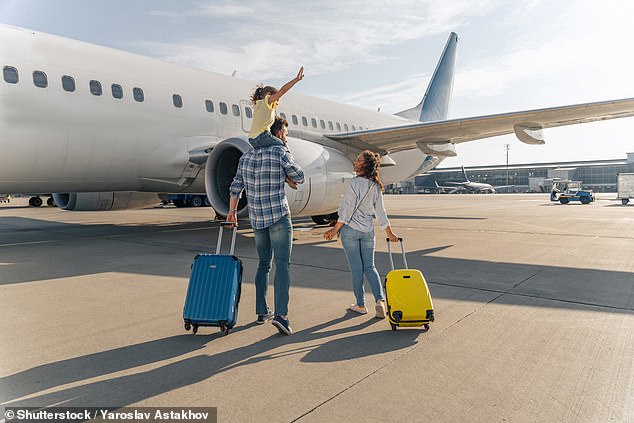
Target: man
pixel 262 173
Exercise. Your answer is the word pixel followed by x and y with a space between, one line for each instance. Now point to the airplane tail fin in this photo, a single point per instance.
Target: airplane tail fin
pixel 464 175
pixel 435 103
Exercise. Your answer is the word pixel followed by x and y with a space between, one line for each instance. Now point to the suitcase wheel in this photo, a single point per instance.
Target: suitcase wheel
pixel 393 326
pixel 426 326
pixel 224 329
pixel 195 329
pixel 187 326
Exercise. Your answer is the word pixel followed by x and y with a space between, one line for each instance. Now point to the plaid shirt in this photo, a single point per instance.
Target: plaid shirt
pixel 262 172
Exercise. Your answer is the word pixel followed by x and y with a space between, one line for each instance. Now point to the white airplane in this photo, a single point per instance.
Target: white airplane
pixel 469 186
pixel 104 129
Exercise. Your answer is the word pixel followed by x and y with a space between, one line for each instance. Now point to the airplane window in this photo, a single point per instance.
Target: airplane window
pixel 138 94
pixel 10 75
pixel 177 100
pixel 313 121
pixel 235 109
pixel 223 108
pixel 248 112
pixel 39 79
pixel 330 125
pixel 322 124
pixel 338 126
pixel 68 83
pixel 294 119
pixel 345 127
pixel 283 115
pixel 353 128
pixel 209 105
pixel 304 121
pixel 95 87
pixel 117 91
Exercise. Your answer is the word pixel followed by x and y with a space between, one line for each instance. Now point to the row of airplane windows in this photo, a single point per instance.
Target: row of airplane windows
pixel 40 80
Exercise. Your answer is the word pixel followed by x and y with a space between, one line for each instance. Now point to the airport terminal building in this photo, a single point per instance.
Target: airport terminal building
pixel 598 175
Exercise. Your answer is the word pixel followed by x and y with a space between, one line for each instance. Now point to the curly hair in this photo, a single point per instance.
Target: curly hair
pixel 261 92
pixel 371 165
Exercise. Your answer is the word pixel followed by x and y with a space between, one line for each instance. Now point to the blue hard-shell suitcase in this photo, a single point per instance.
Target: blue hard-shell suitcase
pixel 214 288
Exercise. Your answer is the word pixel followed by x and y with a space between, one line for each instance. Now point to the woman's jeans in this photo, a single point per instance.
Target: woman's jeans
pixel 274 241
pixel 359 249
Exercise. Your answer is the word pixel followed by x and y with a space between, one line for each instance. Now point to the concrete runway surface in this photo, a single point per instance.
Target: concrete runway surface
pixel 534 321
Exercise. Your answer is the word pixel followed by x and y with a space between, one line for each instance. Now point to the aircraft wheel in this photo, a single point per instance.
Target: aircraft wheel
pixel 196 201
pixel 320 220
pixel 35 201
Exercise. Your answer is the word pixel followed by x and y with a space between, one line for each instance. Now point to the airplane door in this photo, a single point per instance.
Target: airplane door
pixel 246 115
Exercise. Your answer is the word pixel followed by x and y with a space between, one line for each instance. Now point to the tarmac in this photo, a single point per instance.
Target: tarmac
pixel 534 305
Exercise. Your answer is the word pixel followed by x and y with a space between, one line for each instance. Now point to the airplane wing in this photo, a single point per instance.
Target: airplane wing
pixel 526 124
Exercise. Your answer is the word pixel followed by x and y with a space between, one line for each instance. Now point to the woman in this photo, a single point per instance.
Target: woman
pixel 363 198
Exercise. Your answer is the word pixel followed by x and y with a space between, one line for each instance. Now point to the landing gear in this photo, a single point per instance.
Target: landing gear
pixel 325 219
pixel 196 201
pixel 35 202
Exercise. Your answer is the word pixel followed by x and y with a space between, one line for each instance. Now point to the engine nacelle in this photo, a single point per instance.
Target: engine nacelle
pixel 326 173
pixel 220 169
pixel 97 201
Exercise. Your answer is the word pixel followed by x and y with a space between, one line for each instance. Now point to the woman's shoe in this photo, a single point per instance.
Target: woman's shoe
pixel 358 309
pixel 380 309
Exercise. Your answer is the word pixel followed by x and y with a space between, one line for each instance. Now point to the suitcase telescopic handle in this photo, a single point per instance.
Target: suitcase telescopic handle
pixel 233 237
pixel 389 251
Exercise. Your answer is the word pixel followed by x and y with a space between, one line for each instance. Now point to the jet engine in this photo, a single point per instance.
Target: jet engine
pixel 97 201
pixel 326 172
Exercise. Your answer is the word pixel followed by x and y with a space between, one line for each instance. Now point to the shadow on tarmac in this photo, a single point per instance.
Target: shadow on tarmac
pixel 168 250
pixel 129 389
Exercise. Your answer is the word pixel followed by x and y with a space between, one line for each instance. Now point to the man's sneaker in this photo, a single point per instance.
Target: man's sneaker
pixel 264 317
pixel 283 325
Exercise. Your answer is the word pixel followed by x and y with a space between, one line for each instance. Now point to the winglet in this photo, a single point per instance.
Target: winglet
pixel 435 103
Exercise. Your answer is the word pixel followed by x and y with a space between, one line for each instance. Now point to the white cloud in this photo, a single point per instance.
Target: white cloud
pixel 326 38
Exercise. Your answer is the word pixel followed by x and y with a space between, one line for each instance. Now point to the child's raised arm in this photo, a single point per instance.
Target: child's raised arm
pixel 275 97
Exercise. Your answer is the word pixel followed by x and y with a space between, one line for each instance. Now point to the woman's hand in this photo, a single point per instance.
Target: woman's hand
pixel 300 74
pixel 330 234
pixel 391 235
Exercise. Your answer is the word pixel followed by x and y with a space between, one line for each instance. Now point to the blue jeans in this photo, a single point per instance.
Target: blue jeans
pixel 359 249
pixel 274 241
pixel 265 139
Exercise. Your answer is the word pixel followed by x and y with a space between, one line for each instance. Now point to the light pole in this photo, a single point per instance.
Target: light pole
pixel 507 147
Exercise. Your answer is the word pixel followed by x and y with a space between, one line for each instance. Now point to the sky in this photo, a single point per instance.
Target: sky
pixel 512 55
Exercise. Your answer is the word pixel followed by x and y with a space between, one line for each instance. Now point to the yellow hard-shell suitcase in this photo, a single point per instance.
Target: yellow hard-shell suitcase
pixel 408 299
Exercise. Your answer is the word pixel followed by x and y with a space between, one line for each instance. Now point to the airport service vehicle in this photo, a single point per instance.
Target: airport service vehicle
pixel 625 187
pixel 583 195
pixel 563 186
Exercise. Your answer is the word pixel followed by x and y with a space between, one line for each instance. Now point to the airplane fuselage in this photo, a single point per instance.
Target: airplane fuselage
pixel 82 118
